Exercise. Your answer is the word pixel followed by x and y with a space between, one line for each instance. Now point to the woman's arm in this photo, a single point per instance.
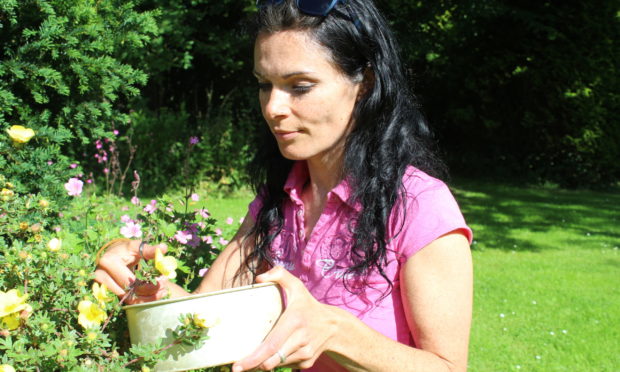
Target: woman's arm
pixel 437 295
pixel 115 268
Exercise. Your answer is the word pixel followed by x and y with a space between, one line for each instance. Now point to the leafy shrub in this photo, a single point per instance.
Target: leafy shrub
pixel 62 69
pixel 51 318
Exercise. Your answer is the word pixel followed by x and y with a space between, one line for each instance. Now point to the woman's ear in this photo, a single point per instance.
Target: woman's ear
pixel 368 82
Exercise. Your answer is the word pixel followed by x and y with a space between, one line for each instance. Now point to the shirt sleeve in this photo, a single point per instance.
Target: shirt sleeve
pixel 429 212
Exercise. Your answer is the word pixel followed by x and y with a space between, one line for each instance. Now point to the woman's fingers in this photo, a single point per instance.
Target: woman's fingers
pixel 149 250
pixel 103 277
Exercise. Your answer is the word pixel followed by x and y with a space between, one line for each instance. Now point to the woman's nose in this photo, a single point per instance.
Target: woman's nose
pixel 276 104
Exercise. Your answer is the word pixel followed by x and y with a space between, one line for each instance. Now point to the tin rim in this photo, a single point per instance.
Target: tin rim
pixel 200 295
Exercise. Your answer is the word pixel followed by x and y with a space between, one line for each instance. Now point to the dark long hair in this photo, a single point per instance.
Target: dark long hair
pixel 389 133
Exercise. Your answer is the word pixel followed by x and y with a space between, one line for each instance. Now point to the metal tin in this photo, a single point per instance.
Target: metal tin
pixel 241 318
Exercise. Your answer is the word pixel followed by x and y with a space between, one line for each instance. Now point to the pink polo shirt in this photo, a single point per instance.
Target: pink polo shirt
pixel 320 260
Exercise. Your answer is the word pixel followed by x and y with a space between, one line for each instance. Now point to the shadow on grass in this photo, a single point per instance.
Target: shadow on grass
pixel 535 218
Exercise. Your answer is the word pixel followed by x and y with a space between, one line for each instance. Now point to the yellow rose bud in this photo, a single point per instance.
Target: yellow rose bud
pixel 54 244
pixel 6 194
pixel 38 238
pixel 44 203
pixel 20 134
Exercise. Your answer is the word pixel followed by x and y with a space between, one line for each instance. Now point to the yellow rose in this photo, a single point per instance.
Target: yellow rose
pixel 6 368
pixel 20 134
pixel 101 293
pixel 44 203
pixel 54 244
pixel 91 315
pixel 10 322
pixel 11 302
pixel 166 265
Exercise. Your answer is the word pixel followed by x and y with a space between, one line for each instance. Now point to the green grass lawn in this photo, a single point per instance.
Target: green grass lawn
pixel 547 270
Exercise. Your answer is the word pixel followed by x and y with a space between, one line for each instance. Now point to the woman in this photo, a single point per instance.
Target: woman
pixel 371 250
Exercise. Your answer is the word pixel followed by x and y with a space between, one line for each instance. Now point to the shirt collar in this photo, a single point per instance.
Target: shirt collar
pixel 298 177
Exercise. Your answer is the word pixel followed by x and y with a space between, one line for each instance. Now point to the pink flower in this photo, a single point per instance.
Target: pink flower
pixel 124 208
pixel 201 224
pixel 135 200
pixel 73 166
pixel 195 197
pixel 229 221
pixel 74 187
pixel 193 140
pixel 182 237
pixel 151 207
pixel 49 162
pixel 241 220
pixel 106 170
pixel 218 232
pixel 202 272
pixel 169 208
pixel 125 218
pixel 89 181
pixel 98 144
pixel 204 213
pixel 223 241
pixel 57 228
pixel 115 131
pixel 207 239
pixel 131 230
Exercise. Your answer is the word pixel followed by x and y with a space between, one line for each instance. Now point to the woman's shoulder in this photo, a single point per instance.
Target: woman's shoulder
pixel 415 181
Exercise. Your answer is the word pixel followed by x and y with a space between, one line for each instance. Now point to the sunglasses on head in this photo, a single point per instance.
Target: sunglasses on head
pixel 318 8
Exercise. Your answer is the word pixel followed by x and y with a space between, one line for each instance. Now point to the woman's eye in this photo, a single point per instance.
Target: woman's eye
pixel 301 89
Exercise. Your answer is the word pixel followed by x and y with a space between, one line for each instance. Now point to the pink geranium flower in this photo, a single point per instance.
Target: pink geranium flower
pixel 125 218
pixel 151 207
pixel 74 187
pixel 131 230
pixel 135 200
pixel 229 221
pixel 218 232
pixel 195 197
pixel 202 272
pixel 182 237
pixel 204 213
pixel 207 239
pixel 223 241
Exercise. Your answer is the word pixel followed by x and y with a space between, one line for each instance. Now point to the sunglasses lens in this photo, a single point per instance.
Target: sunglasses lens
pixel 316 7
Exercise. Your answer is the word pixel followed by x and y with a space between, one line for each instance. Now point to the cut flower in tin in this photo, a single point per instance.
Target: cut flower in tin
pixel 20 134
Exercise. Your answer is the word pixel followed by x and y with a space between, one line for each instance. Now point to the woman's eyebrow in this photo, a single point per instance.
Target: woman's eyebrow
pixel 287 75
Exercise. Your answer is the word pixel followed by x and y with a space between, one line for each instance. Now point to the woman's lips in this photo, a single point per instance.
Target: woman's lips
pixel 285 135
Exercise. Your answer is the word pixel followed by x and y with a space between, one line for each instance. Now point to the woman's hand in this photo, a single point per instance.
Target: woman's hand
pixel 301 334
pixel 115 270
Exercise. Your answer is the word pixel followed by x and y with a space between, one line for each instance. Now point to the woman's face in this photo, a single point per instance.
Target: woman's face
pixel 305 99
